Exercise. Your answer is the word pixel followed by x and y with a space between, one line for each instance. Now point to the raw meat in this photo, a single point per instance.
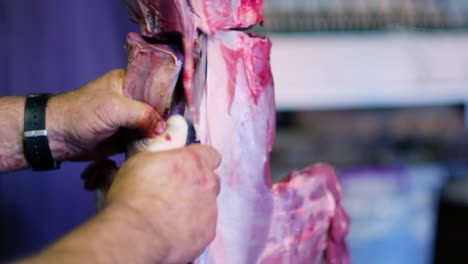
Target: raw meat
pixel 215 15
pixel 299 220
pixel 229 91
pixel 152 72
pixel 164 20
pixel 157 16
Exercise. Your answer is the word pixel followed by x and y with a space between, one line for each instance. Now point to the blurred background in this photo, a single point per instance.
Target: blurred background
pixel 376 88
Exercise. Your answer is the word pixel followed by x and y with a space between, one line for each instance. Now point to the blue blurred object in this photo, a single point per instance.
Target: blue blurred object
pixel 393 212
pixel 52 46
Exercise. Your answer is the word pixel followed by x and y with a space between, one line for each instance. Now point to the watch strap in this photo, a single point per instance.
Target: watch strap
pixel 36 143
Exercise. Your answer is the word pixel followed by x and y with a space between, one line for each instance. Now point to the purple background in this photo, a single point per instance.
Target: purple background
pixel 52 46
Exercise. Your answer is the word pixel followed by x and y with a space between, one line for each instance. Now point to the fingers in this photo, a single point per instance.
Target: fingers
pixel 212 159
pixel 137 115
pixel 199 161
pixel 99 175
pixel 175 136
pixel 217 184
pixel 130 113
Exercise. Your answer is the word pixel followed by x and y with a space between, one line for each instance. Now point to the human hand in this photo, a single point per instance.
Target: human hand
pixel 174 194
pixel 83 124
pixel 161 208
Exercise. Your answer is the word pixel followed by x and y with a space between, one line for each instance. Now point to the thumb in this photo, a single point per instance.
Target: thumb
pixel 140 116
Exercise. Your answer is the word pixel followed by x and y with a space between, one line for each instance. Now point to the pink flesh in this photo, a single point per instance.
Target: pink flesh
pixel 298 221
pixel 185 16
pixel 157 17
pixel 212 16
pixel 152 72
pixel 216 15
pixel 288 222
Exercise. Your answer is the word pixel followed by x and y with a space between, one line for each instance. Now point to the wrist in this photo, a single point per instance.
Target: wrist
pixel 35 138
pixel 56 128
pixel 116 235
pixel 120 233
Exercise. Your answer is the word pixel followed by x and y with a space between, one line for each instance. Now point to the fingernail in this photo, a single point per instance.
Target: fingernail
pixel 160 127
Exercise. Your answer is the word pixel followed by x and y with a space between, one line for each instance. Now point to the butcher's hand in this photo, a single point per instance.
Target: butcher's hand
pixel 161 209
pixel 81 124
pixel 84 123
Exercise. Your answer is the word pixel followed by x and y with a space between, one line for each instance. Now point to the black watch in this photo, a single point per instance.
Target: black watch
pixel 36 144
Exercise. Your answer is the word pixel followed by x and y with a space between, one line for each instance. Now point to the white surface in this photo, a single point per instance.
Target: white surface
pixel 322 71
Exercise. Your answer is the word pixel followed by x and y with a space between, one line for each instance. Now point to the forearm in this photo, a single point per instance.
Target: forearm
pixel 116 235
pixel 11 133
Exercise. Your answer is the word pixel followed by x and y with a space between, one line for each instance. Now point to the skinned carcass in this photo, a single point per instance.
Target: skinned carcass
pixel 295 221
pixel 228 88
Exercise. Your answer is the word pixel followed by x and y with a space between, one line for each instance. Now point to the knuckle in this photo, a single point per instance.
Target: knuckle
pixel 190 154
pixel 148 112
pixel 117 73
pixel 107 110
pixel 109 104
pixel 115 79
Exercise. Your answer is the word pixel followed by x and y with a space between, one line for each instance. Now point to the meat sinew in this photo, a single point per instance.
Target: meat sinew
pixel 229 91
